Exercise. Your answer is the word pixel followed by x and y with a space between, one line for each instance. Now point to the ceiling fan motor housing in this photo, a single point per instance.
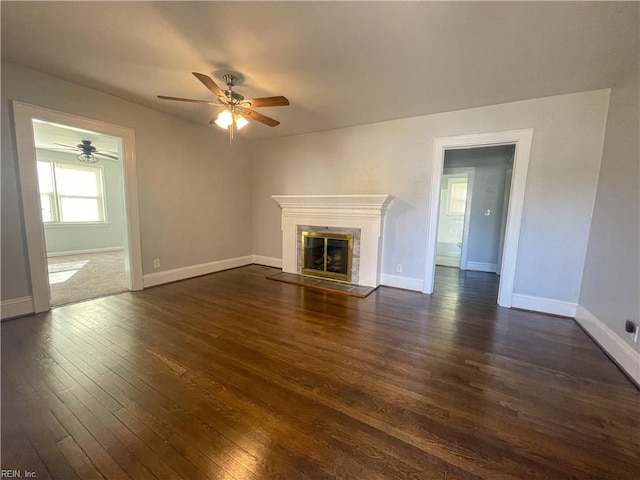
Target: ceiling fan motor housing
pixel 86 147
pixel 235 97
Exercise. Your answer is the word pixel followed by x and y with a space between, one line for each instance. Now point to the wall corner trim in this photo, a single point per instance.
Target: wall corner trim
pixel 617 349
pixel 267 261
pixel 543 305
pixel 16 307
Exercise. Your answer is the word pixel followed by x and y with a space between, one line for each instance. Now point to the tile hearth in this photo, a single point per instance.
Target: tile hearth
pixel 322 284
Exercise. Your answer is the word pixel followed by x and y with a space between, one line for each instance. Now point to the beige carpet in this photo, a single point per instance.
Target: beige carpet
pixel 74 278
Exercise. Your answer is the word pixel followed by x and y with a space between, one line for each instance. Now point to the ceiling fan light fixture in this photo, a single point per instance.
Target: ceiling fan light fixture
pixel 87 158
pixel 224 120
pixel 240 121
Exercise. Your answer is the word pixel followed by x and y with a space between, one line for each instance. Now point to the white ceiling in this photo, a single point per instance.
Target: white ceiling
pixel 339 63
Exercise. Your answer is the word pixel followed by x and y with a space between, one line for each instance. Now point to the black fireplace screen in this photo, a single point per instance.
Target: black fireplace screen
pixel 327 255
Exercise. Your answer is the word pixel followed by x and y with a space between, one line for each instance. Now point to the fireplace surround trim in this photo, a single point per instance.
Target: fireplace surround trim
pixel 365 212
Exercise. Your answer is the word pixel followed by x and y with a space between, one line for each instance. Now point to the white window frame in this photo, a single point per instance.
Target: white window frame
pixel 450 200
pixel 55 198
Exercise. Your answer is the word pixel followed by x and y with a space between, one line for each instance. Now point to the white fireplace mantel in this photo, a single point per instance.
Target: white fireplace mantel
pixel 364 212
pixel 334 202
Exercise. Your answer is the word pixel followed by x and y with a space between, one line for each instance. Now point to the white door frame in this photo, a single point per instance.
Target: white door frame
pixel 522 139
pixel 470 172
pixel 24 114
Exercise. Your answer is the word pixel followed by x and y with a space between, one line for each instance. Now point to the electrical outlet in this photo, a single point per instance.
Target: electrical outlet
pixel 156 263
pixel 399 268
pixel 631 327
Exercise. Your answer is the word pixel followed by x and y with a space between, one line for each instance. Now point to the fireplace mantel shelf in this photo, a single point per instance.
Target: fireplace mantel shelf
pixel 334 202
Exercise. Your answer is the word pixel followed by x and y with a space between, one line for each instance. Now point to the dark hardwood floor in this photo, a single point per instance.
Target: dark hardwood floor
pixel 232 376
pixel 466 285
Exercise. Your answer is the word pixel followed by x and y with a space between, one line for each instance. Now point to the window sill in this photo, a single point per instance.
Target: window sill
pixel 76 224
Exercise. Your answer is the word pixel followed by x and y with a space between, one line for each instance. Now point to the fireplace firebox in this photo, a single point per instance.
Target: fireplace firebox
pixel 327 254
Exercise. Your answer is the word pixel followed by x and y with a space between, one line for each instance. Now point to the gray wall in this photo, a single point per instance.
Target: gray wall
pixel 488 193
pixel 611 284
pixel 194 191
pixel 395 157
pixel 62 238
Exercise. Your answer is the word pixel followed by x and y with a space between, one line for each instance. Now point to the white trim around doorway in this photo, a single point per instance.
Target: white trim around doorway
pixel 24 114
pixel 522 139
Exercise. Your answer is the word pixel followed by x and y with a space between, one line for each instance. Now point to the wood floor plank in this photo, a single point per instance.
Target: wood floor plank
pixel 21 372
pixel 185 352
pixel 80 462
pixel 117 404
pixel 225 462
pixel 232 376
pixel 83 405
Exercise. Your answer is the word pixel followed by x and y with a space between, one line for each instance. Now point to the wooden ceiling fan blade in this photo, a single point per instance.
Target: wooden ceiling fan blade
pixel 278 101
pixel 179 99
pixel 73 147
pixel 107 155
pixel 258 117
pixel 211 85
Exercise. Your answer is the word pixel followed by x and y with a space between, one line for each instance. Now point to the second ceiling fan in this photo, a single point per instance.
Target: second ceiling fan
pixel 88 153
pixel 237 108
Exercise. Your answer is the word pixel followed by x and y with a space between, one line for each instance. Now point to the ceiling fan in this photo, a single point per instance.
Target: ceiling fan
pixel 88 153
pixel 236 106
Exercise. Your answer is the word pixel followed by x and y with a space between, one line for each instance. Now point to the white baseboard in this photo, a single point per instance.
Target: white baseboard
pixel 482 267
pixel 16 307
pixel 80 252
pixel 543 305
pixel 402 282
pixel 166 276
pixel 620 351
pixel 267 261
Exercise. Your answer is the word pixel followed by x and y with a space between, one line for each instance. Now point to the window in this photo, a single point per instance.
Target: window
pixel 70 193
pixel 457 196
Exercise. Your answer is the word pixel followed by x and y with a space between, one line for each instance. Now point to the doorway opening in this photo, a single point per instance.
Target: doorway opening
pixel 510 207
pixel 471 227
pixel 83 215
pixel 79 203
pixel 456 195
